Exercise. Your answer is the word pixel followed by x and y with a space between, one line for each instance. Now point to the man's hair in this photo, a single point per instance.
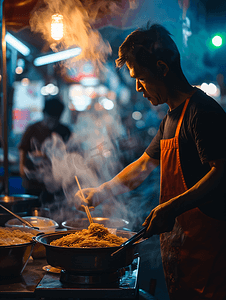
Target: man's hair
pixel 54 107
pixel 148 45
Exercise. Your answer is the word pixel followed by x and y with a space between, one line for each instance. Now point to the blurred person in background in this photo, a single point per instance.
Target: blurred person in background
pixel 190 147
pixel 31 142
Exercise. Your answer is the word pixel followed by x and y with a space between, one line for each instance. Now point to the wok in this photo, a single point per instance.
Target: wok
pixel 14 258
pixel 86 260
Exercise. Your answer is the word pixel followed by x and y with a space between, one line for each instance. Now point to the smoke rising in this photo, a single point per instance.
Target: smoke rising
pixel 94 156
pixel 80 19
pixel 77 30
pixel 92 166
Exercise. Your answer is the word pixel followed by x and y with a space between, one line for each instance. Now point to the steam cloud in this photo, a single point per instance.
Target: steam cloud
pixel 92 168
pixel 90 154
pixel 80 18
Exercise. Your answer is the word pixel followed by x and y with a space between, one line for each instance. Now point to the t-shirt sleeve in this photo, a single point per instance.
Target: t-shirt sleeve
pixel 210 135
pixel 153 150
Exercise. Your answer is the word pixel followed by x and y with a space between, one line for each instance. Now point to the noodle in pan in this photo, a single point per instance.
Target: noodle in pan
pixel 14 237
pixel 96 236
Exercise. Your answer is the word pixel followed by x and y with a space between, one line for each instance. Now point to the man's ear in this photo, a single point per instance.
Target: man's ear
pixel 162 67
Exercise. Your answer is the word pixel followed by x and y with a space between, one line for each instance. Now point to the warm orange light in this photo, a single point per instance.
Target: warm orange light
pixel 57 27
pixel 19 70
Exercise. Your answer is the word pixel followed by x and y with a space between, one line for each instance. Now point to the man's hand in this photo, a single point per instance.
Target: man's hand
pixel 160 220
pixel 93 197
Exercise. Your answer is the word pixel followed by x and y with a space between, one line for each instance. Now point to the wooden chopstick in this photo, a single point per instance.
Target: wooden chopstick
pixel 85 206
pixel 88 214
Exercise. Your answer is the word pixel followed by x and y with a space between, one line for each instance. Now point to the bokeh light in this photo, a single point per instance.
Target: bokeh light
pixel 217 40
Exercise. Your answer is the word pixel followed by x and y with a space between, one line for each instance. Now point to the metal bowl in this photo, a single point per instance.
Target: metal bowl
pixel 82 223
pixel 45 225
pixel 14 258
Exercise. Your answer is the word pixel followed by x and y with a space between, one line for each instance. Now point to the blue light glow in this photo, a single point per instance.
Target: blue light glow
pixel 51 58
pixel 18 45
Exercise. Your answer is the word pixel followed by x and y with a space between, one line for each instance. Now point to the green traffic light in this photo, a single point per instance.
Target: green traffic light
pixel 217 41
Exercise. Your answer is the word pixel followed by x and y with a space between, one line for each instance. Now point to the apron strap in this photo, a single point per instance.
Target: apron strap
pixel 181 118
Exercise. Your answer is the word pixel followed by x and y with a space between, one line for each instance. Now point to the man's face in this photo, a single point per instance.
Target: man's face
pixel 153 88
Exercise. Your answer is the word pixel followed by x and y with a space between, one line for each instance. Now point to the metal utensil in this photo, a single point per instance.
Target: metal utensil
pixel 19 218
pixel 84 199
pixel 129 242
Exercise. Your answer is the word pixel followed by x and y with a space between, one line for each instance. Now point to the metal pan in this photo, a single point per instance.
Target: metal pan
pixel 14 258
pixel 86 260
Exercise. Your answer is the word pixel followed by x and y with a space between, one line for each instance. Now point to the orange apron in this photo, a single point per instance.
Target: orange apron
pixel 194 252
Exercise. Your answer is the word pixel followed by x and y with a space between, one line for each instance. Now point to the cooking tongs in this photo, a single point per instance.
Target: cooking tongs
pixel 129 242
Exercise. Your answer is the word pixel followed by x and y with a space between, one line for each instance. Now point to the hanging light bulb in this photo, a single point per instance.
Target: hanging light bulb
pixel 57 27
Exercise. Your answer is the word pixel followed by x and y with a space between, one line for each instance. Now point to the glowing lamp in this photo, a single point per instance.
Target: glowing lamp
pixel 217 40
pixel 57 27
pixel 18 45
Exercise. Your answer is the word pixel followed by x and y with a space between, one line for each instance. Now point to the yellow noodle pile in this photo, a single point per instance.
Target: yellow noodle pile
pixel 14 237
pixel 95 236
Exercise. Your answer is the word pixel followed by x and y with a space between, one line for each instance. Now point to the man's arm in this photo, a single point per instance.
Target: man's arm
pixel 195 196
pixel 162 217
pixel 128 179
pixel 131 176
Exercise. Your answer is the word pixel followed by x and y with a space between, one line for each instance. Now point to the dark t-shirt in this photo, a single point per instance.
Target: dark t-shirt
pixel 202 138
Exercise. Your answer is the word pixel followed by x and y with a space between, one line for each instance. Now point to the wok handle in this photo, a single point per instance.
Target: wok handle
pixel 129 242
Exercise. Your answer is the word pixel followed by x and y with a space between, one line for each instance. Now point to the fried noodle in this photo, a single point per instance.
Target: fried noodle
pixel 14 237
pixel 96 236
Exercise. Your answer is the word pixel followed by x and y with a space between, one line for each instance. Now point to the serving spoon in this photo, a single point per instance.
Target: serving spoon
pixel 19 218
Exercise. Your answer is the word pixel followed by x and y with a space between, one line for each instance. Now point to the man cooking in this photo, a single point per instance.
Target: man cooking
pixel 190 147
